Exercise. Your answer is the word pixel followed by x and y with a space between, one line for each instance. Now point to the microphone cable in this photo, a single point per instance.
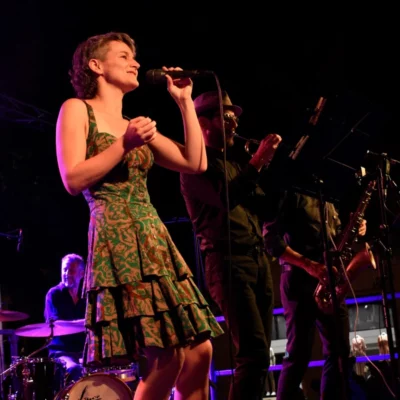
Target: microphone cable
pixel 228 226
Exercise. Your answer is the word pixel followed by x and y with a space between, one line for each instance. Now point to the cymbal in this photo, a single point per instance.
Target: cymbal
pixel 74 324
pixel 9 316
pixel 61 328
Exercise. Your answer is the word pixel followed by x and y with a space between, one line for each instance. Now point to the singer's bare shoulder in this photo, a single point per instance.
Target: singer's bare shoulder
pixel 74 106
pixel 73 117
pixel 74 111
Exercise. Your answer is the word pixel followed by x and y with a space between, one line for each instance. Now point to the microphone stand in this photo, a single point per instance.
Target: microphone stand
pixel 393 185
pixel 328 257
pixel 9 235
pixel 313 120
pixel 386 271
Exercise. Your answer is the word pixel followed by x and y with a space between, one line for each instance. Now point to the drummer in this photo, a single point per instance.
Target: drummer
pixel 65 302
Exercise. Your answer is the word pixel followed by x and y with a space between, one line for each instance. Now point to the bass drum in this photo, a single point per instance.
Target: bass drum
pixel 96 386
pixel 127 373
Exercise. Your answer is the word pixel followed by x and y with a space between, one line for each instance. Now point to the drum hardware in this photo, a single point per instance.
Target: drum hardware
pixel 45 378
pixel 11 316
pixel 35 378
pixel 40 378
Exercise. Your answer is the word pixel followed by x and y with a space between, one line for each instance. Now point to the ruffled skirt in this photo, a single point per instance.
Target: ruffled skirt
pixel 140 292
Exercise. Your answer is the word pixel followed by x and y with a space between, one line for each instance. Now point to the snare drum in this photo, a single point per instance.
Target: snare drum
pixel 36 378
pixel 96 386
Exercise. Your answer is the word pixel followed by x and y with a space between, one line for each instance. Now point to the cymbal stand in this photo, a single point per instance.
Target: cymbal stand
pixel 25 373
pixel 48 340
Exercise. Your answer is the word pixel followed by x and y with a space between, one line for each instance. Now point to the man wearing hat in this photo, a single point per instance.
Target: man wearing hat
pixel 223 204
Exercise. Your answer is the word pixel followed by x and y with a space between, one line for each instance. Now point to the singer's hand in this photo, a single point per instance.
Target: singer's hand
pixel 180 89
pixel 266 150
pixel 140 131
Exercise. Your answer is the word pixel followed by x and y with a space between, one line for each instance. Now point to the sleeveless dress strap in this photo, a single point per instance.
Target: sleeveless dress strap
pixel 92 120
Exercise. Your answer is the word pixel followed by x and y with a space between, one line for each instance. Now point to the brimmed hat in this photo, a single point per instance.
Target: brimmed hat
pixel 210 101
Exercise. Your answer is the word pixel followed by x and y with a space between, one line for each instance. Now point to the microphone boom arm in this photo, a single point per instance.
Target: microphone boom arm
pixel 313 122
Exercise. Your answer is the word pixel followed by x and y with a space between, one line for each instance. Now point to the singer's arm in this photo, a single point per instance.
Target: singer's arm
pixel 77 172
pixel 188 158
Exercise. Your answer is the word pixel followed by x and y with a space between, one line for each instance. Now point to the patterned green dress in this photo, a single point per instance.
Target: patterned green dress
pixel 140 292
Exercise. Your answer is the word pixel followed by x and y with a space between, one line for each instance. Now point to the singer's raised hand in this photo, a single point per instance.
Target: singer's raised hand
pixel 140 131
pixel 180 89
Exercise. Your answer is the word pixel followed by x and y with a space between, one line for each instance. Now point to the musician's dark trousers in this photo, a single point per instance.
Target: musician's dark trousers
pixel 247 307
pixel 302 316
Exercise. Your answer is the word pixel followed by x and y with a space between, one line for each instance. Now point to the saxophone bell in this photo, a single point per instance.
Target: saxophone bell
pixel 361 261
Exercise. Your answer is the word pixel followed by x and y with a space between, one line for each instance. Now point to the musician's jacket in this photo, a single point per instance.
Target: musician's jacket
pixel 209 206
pixel 297 223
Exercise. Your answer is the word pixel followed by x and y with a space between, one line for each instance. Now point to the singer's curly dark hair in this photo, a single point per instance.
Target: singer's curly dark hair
pixel 83 79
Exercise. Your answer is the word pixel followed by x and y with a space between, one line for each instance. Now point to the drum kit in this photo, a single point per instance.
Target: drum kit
pixel 38 378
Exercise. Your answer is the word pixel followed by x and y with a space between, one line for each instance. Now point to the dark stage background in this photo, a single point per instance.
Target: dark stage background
pixel 275 64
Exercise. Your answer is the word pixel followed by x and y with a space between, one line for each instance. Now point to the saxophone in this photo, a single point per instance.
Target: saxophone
pixel 349 265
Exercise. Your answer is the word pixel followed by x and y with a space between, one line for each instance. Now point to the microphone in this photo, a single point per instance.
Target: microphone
pixel 19 241
pixel 155 76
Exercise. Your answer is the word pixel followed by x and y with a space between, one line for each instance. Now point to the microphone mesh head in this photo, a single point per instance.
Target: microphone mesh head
pixel 155 76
